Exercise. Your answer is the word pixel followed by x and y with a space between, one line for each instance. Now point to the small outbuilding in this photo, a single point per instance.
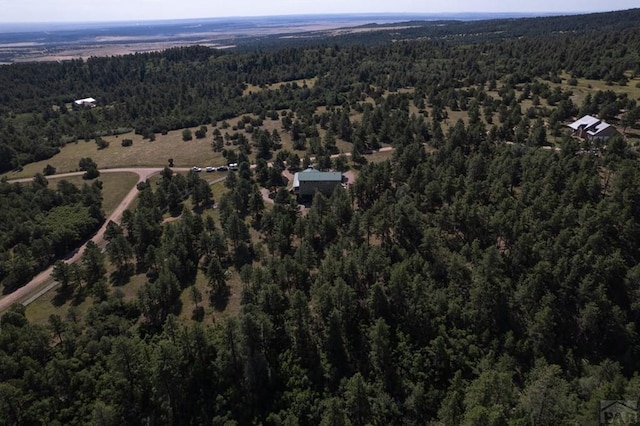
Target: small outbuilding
pixel 84 103
pixel 307 182
pixel 592 129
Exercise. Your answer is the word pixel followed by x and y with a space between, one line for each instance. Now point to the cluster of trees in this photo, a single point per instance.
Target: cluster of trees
pixel 39 224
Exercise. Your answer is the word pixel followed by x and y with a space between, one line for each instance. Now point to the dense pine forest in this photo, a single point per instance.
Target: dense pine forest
pixel 486 273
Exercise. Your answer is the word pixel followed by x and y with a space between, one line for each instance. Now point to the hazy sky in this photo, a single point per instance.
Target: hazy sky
pixel 126 10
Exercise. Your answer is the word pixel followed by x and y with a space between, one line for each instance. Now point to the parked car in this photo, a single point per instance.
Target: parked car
pixel 210 169
pixel 233 166
pixel 196 169
pixel 222 169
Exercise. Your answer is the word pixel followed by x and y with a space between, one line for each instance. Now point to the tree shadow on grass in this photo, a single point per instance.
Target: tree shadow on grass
pixel 79 296
pixel 121 276
pixel 198 314
pixel 63 294
pixel 219 297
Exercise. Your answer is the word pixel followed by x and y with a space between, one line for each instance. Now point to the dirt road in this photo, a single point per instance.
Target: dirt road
pixel 42 282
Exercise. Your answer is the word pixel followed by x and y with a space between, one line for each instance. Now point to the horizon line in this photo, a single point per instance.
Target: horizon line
pixel 328 14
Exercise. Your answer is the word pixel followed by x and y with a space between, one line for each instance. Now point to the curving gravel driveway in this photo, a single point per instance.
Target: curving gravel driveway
pixel 42 282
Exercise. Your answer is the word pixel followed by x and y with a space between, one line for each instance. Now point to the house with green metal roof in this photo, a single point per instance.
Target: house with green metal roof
pixel 307 182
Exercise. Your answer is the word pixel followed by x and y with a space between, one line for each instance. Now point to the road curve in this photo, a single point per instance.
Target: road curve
pixel 40 284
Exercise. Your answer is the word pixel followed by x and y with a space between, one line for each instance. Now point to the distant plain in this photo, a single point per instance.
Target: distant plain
pixel 57 42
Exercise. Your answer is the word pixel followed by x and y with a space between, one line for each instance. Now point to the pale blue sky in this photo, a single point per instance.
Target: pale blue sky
pixel 133 10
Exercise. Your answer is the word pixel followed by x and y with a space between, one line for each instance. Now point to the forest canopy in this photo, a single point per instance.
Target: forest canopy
pixel 485 272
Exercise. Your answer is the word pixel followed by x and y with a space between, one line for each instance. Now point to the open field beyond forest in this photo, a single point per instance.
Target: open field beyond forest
pixel 146 153
pixel 255 89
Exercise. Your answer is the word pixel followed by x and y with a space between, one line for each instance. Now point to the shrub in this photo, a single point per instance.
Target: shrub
pixel 102 144
pixel 49 170
pixel 91 173
pixel 86 163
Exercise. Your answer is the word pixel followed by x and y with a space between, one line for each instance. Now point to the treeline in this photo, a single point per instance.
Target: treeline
pixel 186 87
pixel 481 284
pixel 39 224
pixel 460 32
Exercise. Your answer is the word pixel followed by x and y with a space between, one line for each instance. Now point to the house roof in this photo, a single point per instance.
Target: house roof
pixel 598 128
pixel 586 122
pixel 85 101
pixel 313 175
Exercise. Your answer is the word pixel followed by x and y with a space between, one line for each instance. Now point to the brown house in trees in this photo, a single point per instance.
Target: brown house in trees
pixel 592 129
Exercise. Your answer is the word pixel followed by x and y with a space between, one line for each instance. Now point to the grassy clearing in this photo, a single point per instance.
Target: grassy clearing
pixel 218 189
pixel 39 311
pixel 142 153
pixel 211 314
pixel 252 88
pixel 235 297
pixel 377 157
pixel 130 289
pixel 453 117
pixel 586 86
pixel 115 187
